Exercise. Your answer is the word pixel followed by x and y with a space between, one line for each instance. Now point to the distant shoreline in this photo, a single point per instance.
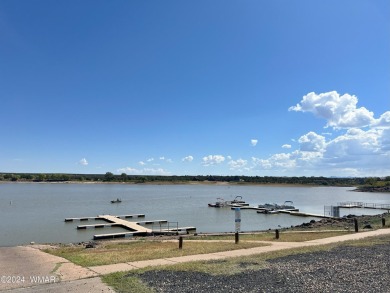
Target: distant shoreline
pixel 218 183
pixel 382 189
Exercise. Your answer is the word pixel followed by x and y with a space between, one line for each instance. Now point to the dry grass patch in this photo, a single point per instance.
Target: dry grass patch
pixel 108 253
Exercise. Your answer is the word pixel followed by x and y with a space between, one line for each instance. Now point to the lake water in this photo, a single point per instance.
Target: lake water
pixel 36 212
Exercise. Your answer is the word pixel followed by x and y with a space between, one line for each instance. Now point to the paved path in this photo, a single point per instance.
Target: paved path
pixel 26 266
pixel 64 276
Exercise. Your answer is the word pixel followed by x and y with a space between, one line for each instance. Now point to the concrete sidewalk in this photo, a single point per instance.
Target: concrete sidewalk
pixel 36 271
pixel 60 275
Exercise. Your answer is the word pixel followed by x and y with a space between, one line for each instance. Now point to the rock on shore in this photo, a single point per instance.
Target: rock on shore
pixel 346 222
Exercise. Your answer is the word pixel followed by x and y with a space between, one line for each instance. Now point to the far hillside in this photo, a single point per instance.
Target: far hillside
pixel 376 184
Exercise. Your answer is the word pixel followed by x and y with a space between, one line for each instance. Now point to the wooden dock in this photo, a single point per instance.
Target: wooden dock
pixel 131 216
pixel 119 225
pixel 81 219
pixel 352 204
pixel 131 226
pixel 153 222
pixel 97 218
pixel 301 214
pixel 181 229
pixel 134 228
pixel 248 208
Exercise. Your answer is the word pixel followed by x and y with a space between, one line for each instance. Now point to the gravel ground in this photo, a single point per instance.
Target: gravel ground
pixel 343 269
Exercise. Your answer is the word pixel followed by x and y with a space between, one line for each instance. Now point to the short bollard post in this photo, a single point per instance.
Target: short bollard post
pixel 383 222
pixel 356 225
pixel 180 242
pixel 237 238
pixel 277 234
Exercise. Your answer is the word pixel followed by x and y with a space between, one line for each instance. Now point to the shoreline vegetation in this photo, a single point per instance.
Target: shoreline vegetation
pixel 363 184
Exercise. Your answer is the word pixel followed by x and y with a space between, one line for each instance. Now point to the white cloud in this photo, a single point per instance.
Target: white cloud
pixel 188 159
pixel 353 144
pixel 312 142
pixel 383 121
pixel 229 157
pixel 238 164
pixel 254 142
pixel 83 162
pixel 144 171
pixel 128 171
pixel 213 160
pixel 384 139
pixel 357 152
pixel 339 110
pixel 362 150
pixel 142 163
pixel 286 146
pixel 150 160
pixel 276 161
pixel 165 159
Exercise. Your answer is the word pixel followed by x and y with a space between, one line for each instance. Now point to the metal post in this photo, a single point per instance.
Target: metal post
pixel 237 238
pixel 383 222
pixel 277 234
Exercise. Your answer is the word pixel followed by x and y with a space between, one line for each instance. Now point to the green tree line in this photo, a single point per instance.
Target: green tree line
pixel 110 177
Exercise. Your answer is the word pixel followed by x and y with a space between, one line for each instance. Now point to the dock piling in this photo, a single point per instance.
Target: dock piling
pixel 180 242
pixel 356 225
pixel 236 237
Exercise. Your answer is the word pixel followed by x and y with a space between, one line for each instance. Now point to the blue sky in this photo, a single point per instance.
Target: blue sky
pixel 267 88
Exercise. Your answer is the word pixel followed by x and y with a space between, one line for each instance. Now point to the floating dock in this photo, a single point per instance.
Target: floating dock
pixel 357 204
pixel 98 217
pixel 131 226
pixel 301 214
pixel 135 228
pixel 119 225
pixel 248 208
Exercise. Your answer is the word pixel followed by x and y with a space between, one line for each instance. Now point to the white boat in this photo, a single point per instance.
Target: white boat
pixel 273 208
pixel 237 201
pixel 219 203
pixel 287 205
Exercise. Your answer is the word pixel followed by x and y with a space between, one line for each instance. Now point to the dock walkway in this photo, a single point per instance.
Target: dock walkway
pixel 363 205
pixel 131 226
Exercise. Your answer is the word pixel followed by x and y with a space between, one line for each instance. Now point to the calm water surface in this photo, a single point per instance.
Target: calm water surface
pixel 36 212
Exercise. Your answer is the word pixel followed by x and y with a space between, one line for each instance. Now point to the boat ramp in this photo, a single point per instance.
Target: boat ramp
pixel 134 228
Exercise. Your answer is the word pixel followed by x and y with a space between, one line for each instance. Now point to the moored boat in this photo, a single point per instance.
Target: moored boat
pixel 273 208
pixel 218 204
